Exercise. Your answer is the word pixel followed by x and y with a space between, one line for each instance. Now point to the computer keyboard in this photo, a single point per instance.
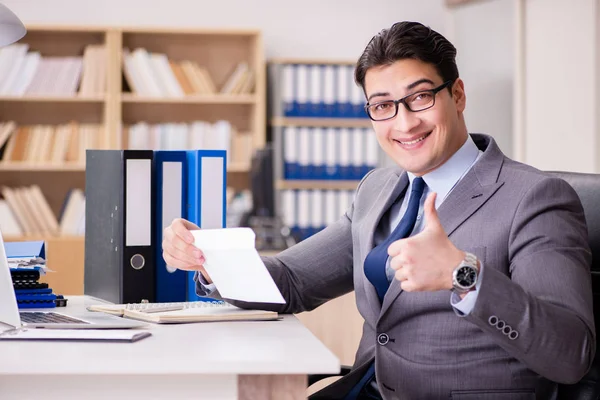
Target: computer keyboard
pixel 36 317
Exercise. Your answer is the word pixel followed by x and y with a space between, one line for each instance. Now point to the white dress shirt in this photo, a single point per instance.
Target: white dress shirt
pixel 441 180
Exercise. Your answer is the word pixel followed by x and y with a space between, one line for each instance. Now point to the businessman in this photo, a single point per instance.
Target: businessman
pixel 471 271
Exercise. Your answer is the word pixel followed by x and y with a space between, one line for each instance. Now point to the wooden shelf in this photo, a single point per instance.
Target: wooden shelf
pixel 41 167
pixel 219 51
pixel 316 184
pixel 322 122
pixel 53 99
pixel 198 99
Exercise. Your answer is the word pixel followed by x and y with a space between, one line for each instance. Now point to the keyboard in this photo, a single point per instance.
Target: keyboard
pixel 34 317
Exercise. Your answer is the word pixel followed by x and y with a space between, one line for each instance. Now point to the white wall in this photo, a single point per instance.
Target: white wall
pixel 483 34
pixel 334 29
pixel 561 104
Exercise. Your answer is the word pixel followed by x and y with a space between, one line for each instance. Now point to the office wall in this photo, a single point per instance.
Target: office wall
pixel 560 123
pixel 484 35
pixel 309 28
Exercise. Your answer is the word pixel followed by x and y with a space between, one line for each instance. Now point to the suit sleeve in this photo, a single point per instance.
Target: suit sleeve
pixel 547 297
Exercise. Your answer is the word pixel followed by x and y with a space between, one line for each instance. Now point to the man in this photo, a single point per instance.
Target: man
pixel 471 270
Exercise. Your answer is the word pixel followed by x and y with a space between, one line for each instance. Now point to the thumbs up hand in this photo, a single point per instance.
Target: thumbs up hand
pixel 425 262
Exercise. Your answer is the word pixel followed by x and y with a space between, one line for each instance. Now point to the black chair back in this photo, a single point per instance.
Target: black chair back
pixel 587 187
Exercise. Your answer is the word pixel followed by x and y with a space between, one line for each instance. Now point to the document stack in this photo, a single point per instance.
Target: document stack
pixel 27 265
pixel 324 143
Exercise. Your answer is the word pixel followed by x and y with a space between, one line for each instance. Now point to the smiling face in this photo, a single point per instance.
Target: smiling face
pixel 419 142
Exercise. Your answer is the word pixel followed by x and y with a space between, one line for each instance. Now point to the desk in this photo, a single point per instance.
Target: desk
pixel 217 361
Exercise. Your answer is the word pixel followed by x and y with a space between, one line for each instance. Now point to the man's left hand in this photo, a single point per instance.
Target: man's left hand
pixel 425 262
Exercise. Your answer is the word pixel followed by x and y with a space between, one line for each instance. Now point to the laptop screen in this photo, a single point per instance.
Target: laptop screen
pixel 9 312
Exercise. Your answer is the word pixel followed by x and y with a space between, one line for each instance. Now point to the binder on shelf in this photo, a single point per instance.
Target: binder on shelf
pixel 206 196
pixel 304 156
pixel 318 153
pixel 171 197
pixel 289 211
pixel 358 159
pixel 332 168
pixel 286 75
pixel 357 100
pixel 317 217
pixel 344 78
pixel 302 107
pixel 290 153
pixel 345 144
pixel 119 225
pixel 315 79
pixel 303 203
pixel 328 110
pixel 372 152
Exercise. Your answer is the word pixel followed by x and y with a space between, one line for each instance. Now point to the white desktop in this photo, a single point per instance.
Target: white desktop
pixel 214 360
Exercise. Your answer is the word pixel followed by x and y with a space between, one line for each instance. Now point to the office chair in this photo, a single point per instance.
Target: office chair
pixel 587 187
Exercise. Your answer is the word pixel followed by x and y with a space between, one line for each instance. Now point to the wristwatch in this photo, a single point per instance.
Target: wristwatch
pixel 464 277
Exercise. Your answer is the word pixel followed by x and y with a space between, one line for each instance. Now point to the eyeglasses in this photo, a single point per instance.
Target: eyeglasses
pixel 419 101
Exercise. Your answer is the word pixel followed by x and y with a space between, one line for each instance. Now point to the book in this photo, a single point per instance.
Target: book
pixel 185 312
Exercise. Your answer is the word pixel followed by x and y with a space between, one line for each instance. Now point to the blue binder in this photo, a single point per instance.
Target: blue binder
pixel 206 197
pixel 171 199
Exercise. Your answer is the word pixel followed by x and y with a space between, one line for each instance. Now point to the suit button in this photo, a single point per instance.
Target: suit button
pixel 507 330
pixel 493 320
pixel 500 325
pixel 383 339
pixel 513 335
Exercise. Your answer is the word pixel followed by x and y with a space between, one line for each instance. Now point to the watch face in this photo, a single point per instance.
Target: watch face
pixel 466 276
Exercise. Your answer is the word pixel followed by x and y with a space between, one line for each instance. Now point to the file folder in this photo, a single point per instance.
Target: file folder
pixel 343 100
pixel 316 91
pixel 304 155
pixel 206 196
pixel 171 198
pixel 119 225
pixel 302 107
pixel 318 153
pixel 290 153
pixel 289 94
pixel 29 249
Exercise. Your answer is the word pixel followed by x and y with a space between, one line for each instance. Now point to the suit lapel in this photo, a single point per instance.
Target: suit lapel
pixel 472 192
pixel 393 188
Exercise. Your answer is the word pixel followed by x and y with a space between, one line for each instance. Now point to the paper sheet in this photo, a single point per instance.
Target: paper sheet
pixel 235 266
pixel 129 335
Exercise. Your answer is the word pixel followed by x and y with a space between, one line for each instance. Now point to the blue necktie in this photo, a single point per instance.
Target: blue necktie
pixel 377 258
pixel 376 261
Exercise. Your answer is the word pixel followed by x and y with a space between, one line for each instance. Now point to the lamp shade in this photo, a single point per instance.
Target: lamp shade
pixel 11 28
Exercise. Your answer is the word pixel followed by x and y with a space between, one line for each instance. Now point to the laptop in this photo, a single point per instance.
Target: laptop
pixel 15 319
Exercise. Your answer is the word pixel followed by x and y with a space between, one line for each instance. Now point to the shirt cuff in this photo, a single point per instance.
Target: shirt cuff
pixel 203 288
pixel 463 307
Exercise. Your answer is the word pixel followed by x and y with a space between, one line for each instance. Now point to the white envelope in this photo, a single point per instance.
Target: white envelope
pixel 235 266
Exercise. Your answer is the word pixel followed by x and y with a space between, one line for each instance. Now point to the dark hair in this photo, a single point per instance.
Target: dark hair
pixel 408 40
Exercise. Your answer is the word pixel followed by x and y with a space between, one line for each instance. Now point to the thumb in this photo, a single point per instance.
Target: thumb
pixel 432 220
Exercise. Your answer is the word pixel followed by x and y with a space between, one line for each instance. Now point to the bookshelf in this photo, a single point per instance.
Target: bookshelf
pixel 220 52
pixel 337 323
pixel 316 101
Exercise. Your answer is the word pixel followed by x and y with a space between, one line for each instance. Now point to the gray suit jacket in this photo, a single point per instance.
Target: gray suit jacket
pixel 528 229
